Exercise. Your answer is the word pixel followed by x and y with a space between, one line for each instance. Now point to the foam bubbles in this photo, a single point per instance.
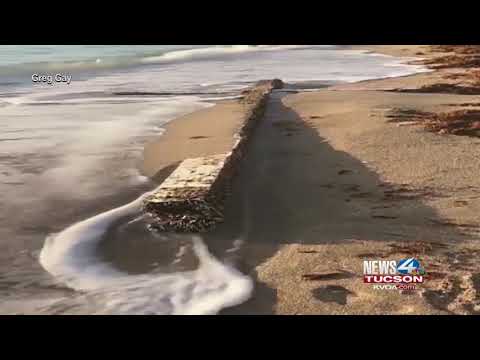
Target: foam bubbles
pixel 216 51
pixel 71 257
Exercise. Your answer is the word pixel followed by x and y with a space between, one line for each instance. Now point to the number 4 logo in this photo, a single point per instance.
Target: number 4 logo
pixel 407 266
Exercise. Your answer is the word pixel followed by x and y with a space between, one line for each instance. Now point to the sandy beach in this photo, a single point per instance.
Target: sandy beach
pixel 333 177
pixel 79 157
pixel 113 187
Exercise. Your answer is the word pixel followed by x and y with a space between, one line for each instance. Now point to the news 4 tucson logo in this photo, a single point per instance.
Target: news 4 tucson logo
pixel 393 275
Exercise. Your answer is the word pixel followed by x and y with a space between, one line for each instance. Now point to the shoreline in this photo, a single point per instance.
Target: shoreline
pixel 359 184
pixel 371 169
pixel 219 136
pixel 385 168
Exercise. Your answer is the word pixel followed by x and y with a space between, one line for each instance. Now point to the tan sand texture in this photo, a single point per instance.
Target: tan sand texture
pixel 329 181
pixel 206 132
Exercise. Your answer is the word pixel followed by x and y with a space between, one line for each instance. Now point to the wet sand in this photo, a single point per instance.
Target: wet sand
pixel 206 132
pixel 132 247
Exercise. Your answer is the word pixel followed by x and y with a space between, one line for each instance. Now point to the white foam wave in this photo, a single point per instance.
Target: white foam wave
pixel 122 59
pixel 211 52
pixel 70 256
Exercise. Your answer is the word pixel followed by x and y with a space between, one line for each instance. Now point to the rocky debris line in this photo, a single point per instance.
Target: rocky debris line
pixel 459 49
pixel 456 56
pixel 453 61
pixel 459 81
pixel 460 122
pixel 444 88
pixel 459 69
pixel 191 199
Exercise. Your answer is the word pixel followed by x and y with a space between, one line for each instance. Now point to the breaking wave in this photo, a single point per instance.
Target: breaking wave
pixel 127 56
pixel 213 52
pixel 71 256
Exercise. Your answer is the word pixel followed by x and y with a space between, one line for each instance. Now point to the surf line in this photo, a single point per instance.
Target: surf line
pixel 70 256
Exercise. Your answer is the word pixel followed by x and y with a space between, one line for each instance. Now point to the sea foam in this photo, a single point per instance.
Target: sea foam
pixel 215 51
pixel 71 257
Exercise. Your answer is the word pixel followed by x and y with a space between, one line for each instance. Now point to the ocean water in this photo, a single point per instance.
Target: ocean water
pixel 72 151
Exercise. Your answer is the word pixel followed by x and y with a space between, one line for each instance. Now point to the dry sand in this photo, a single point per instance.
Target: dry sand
pixel 368 189
pixel 329 182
